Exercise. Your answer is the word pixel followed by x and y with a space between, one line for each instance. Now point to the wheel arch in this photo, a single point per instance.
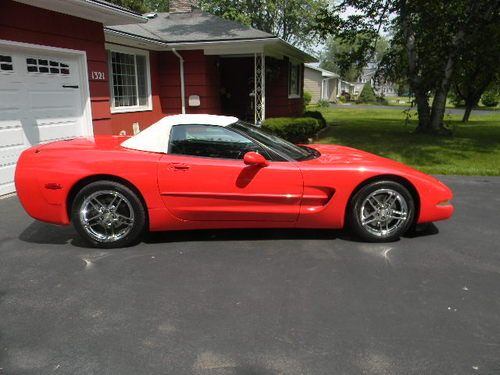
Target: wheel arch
pixel 80 184
pixel 386 177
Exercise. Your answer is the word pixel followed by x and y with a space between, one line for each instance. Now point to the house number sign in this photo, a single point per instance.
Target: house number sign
pixel 98 76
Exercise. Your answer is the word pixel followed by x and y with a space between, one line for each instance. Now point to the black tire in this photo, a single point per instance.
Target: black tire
pixel 377 222
pixel 122 225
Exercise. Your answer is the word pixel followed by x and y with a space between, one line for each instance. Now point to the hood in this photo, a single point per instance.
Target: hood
pixel 335 154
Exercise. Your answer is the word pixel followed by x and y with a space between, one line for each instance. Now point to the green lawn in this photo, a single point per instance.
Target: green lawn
pixel 404 101
pixel 474 148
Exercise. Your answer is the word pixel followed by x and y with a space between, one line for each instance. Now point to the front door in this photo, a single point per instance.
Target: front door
pixel 203 177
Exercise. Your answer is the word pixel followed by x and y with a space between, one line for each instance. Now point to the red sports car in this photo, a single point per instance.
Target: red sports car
pixel 204 171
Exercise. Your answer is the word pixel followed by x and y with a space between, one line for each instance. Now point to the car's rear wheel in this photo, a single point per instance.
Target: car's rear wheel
pixel 381 211
pixel 108 214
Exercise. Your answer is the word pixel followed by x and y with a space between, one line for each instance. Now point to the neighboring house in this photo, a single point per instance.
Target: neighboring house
pixel 321 83
pixel 67 69
pixel 346 88
pixel 380 88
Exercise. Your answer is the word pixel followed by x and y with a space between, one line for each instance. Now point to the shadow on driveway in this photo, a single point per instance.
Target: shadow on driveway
pixel 43 233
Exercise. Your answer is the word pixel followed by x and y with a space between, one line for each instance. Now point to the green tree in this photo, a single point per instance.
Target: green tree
pixel 428 40
pixel 291 20
pixel 478 65
pixel 367 94
pixel 341 57
pixel 143 6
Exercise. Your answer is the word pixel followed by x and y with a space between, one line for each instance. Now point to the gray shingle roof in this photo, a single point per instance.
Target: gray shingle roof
pixel 195 26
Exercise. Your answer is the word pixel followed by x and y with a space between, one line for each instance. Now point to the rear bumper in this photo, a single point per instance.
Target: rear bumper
pixel 33 200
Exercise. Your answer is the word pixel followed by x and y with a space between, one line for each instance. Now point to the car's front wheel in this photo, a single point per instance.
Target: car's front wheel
pixel 381 211
pixel 108 214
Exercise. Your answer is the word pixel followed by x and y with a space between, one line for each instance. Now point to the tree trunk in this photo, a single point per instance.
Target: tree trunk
pixel 423 110
pixel 468 110
pixel 439 102
pixel 438 109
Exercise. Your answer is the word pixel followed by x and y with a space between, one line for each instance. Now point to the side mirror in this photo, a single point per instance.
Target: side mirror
pixel 253 158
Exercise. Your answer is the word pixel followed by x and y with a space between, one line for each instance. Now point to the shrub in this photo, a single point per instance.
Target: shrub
pixel 293 129
pixel 490 98
pixel 318 116
pixel 323 103
pixel 382 100
pixel 367 95
pixel 342 99
pixel 456 100
pixel 307 98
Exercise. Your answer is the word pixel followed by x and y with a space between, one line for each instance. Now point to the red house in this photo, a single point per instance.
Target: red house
pixel 84 67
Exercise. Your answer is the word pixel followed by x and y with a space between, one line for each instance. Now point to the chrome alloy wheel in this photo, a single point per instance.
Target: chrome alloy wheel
pixel 107 216
pixel 383 212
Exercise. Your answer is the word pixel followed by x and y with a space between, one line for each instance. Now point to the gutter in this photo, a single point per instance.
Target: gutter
pixel 118 10
pixel 181 72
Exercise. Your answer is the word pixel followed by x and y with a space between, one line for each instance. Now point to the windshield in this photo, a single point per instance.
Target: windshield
pixel 276 144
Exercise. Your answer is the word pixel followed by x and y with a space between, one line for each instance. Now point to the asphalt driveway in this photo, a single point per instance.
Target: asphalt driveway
pixel 255 302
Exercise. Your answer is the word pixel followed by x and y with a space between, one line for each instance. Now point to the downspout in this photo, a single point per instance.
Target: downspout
pixel 181 72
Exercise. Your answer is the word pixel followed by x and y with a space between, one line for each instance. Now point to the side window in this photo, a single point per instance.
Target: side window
pixel 35 65
pixel 6 64
pixel 209 141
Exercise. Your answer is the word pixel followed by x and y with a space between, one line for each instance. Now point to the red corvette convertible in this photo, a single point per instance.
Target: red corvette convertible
pixel 204 171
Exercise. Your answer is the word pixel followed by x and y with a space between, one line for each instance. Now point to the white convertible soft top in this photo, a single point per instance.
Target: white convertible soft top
pixel 155 138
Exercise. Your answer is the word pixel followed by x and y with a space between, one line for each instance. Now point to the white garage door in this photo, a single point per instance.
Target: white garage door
pixel 41 99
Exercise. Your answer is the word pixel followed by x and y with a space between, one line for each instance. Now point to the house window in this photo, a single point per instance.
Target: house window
pixel 130 87
pixel 294 79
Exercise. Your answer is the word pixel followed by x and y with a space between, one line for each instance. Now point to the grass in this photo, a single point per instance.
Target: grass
pixel 474 148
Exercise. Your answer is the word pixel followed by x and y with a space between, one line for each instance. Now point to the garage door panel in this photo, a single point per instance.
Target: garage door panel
pixel 11 134
pixel 8 159
pixel 53 100
pixel 10 100
pixel 34 105
pixel 51 132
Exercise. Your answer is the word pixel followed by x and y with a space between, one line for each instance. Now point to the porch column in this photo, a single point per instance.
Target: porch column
pixel 260 88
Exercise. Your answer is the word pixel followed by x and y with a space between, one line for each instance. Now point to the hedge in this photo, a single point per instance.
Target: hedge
pixel 318 116
pixel 293 129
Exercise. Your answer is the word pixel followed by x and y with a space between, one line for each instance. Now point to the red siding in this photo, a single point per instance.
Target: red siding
pixel 277 102
pixel 200 78
pixel 24 23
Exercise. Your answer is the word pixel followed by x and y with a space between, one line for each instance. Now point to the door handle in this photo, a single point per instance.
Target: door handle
pixel 70 86
pixel 178 166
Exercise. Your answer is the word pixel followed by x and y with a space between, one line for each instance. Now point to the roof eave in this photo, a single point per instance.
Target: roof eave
pixel 266 44
pixel 94 10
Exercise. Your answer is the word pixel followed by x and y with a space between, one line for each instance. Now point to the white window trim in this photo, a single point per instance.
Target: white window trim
pixel 299 78
pixel 132 51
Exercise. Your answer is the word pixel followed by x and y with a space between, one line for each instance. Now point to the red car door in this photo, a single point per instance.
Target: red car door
pixel 198 181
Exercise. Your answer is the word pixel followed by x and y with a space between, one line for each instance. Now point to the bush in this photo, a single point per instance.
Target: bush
pixel 342 99
pixel 367 95
pixel 456 100
pixel 316 115
pixel 296 130
pixel 307 98
pixel 323 103
pixel 382 100
pixel 490 98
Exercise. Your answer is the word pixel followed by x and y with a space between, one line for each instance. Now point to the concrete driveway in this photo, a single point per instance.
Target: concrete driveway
pixel 255 302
